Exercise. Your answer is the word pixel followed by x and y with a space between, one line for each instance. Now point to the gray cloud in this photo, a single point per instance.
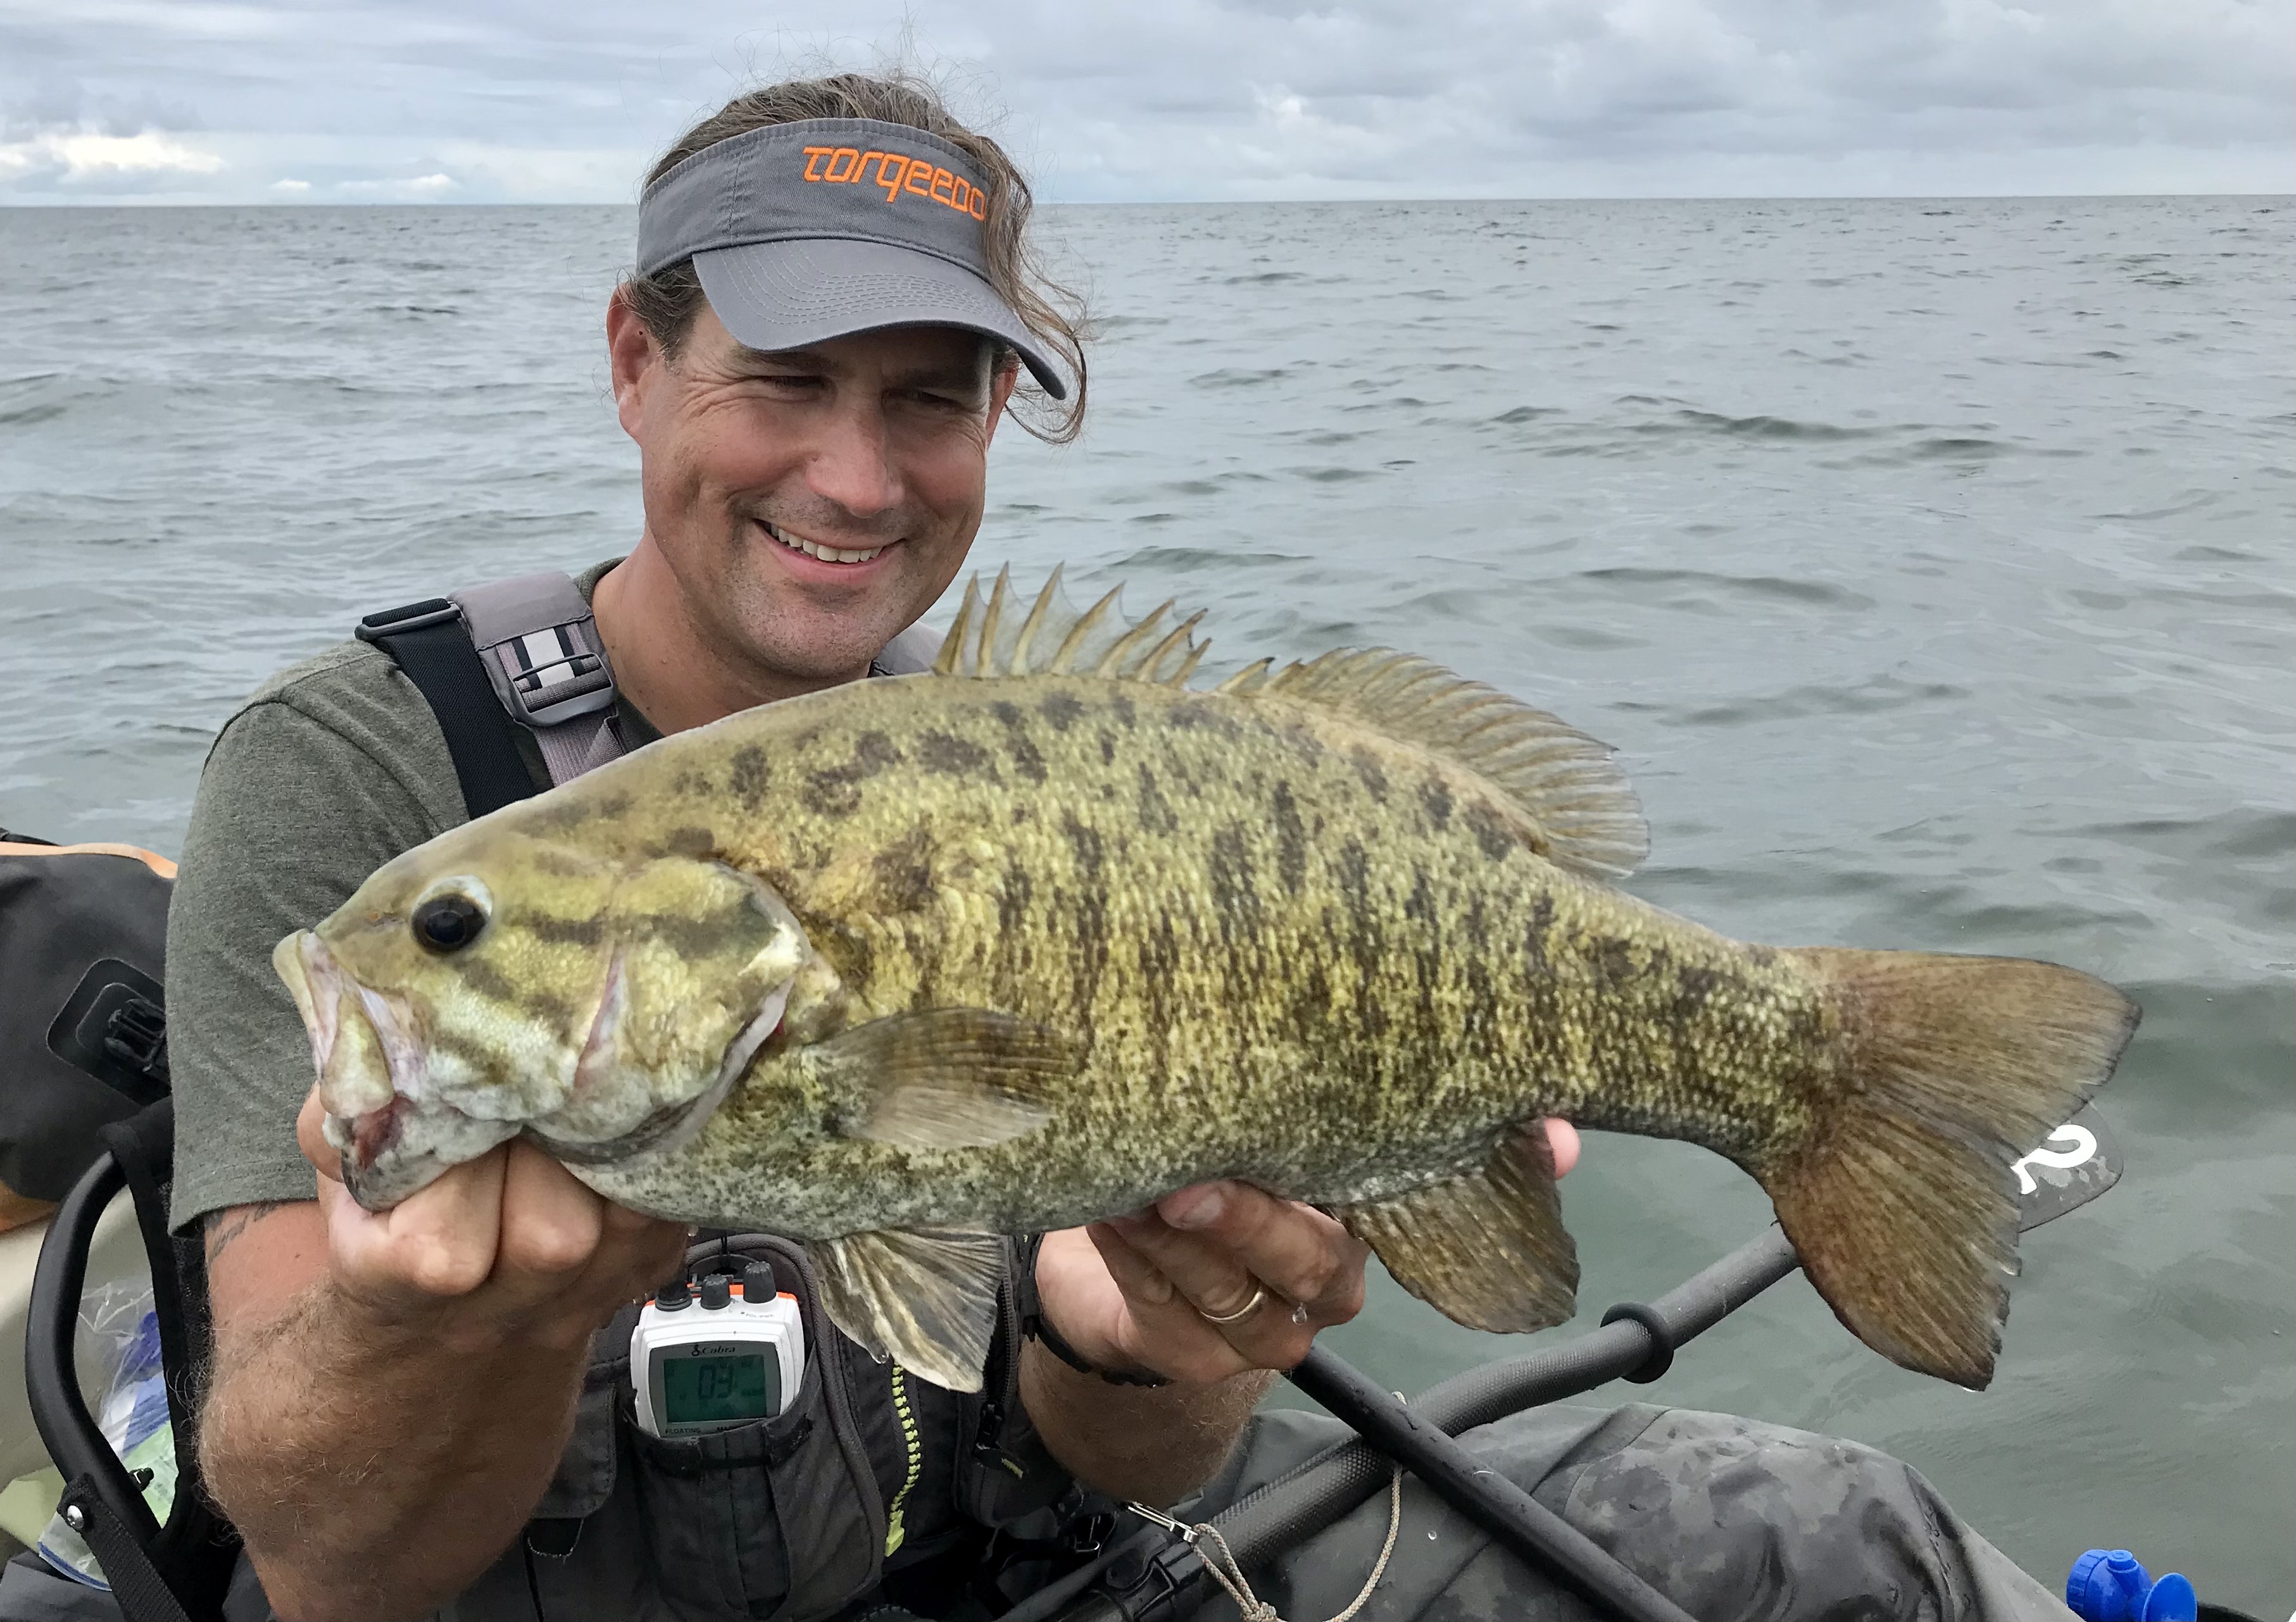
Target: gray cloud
pixel 520 100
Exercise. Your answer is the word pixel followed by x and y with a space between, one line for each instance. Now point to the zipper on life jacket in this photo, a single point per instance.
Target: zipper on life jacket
pixel 895 1533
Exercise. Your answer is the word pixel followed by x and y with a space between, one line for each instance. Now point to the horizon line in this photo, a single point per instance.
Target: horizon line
pixel 284 205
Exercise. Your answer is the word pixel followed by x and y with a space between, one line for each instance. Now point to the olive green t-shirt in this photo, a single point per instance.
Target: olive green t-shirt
pixel 331 768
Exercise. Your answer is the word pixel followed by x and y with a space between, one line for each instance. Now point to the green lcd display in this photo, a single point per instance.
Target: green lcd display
pixel 696 1390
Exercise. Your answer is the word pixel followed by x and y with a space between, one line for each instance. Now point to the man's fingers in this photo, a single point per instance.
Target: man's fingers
pixel 1261 1274
pixel 1562 1138
pixel 1135 1274
pixel 551 1225
pixel 1159 1328
pixel 1220 1242
pixel 437 1243
pixel 311 1138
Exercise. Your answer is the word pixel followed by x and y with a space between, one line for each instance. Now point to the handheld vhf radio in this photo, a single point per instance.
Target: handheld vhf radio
pixel 705 1358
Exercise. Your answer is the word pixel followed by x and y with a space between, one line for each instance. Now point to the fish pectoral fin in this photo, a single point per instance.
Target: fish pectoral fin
pixel 1486 1250
pixel 927 1299
pixel 943 1078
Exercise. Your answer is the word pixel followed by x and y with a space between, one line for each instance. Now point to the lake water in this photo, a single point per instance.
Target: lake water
pixel 1928 562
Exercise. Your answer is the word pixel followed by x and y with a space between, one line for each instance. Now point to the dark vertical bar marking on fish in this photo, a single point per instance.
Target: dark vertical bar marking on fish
pixel 1366 941
pixel 946 755
pixel 1291 841
pixel 1016 894
pixel 1367 768
pixel 1235 903
pixel 749 776
pixel 1158 954
pixel 1498 841
pixel 1090 910
pixel 1155 815
pixel 1027 760
pixel 1537 934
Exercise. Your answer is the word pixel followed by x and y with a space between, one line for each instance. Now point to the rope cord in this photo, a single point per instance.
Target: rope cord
pixel 1230 1576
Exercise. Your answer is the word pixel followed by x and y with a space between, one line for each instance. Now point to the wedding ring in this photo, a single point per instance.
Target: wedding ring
pixel 1258 1295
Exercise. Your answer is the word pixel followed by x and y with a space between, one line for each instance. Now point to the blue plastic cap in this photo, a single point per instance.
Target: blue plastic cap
pixel 2111 1585
pixel 2107 1586
pixel 2172 1599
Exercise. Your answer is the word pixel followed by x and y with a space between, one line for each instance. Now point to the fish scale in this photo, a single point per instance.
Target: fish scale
pixel 903 965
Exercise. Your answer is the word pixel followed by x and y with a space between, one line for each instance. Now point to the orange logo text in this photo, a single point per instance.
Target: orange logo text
pixel 896 173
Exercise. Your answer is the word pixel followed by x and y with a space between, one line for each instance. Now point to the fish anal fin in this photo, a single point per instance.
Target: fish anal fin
pixel 942 1077
pixel 926 1300
pixel 1487 1248
pixel 1579 811
pixel 1899 1199
pixel 988 638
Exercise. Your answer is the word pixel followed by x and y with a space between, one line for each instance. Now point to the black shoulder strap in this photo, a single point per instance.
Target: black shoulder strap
pixel 196 1549
pixel 431 645
pixel 137 1587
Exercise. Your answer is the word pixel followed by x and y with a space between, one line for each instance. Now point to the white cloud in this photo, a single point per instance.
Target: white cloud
pixel 567 100
pixel 291 186
pixel 77 155
pixel 418 188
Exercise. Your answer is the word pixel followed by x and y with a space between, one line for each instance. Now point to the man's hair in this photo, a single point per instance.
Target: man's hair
pixel 667 301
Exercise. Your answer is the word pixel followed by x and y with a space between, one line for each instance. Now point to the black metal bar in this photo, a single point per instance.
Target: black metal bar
pixel 73 1439
pixel 1287 1512
pixel 1295 1506
pixel 1508 1513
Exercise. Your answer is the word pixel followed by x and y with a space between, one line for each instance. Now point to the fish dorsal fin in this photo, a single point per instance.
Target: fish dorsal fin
pixel 997 636
pixel 1582 814
pixel 1564 781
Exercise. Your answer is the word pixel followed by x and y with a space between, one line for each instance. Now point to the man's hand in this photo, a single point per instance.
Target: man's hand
pixel 507 1250
pixel 1173 1288
pixel 1214 1287
pixel 393 1390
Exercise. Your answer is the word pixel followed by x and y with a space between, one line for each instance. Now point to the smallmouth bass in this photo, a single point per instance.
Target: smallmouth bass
pixel 903 966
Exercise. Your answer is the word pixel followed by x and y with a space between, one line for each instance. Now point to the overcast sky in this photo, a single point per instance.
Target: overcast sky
pixel 566 100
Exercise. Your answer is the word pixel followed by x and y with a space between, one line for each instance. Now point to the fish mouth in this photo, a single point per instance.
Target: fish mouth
pixel 392 1132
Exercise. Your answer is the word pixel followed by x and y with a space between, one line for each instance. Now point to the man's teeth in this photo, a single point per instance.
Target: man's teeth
pixel 827 555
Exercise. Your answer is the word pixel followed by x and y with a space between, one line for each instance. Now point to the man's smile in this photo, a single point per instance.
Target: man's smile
pixel 793 542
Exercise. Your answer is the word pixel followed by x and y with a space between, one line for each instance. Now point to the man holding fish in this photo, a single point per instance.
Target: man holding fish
pixel 861 980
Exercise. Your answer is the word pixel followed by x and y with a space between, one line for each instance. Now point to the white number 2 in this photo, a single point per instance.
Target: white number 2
pixel 2084 1146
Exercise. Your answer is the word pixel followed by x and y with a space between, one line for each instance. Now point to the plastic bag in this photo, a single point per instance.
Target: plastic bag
pixel 120 1374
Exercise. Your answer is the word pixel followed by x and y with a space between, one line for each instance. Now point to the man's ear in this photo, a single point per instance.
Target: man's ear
pixel 634 357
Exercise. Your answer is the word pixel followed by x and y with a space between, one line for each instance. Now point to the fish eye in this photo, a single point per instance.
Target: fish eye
pixel 448 922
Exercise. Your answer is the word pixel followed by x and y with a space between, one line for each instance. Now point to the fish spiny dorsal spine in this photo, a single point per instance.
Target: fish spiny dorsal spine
pixel 1579 810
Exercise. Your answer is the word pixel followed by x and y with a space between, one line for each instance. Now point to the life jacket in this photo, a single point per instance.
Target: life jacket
pixel 789 1518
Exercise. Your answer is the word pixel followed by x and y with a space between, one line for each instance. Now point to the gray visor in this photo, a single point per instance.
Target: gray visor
pixel 829 226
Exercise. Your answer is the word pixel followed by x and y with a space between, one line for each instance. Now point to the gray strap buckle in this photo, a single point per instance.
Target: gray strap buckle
pixel 540 648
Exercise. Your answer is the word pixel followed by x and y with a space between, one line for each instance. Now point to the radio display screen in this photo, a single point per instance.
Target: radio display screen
pixel 735 1387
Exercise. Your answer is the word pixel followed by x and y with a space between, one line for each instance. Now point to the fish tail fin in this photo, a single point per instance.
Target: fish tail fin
pixel 1899 1198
